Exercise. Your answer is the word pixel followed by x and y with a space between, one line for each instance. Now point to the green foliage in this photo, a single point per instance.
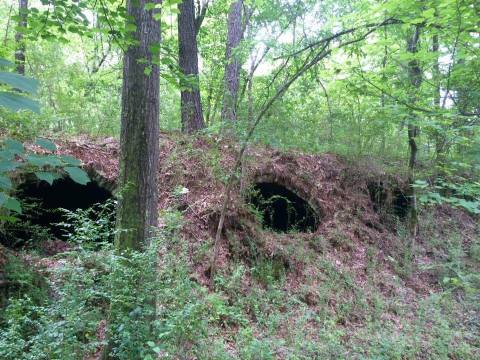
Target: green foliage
pixel 13 85
pixel 48 167
pixel 356 102
pixel 461 193
pixel 23 282
pixel 92 286
pixel 260 321
pixel 92 228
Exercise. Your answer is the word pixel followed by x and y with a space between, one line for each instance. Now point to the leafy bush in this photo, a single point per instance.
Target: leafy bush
pixel 22 281
pixel 90 228
pixel 150 307
pixel 460 192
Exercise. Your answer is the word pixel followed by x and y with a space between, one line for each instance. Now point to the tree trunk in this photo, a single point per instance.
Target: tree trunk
pixel 383 96
pixel 232 68
pixel 439 135
pixel 191 106
pixel 139 143
pixel 20 44
pixel 415 77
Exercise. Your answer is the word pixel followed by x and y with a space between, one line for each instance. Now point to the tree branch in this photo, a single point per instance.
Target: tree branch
pixel 339 34
pixel 308 64
pixel 201 12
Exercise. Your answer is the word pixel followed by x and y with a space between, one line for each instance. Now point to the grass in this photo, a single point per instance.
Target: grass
pixel 261 309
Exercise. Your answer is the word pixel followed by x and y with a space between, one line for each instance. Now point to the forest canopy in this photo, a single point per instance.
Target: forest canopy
pixel 396 80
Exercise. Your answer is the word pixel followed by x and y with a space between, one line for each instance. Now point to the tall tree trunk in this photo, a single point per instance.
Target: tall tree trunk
pixel 439 135
pixel 191 106
pixel 383 96
pixel 139 143
pixel 232 68
pixel 20 44
pixel 415 77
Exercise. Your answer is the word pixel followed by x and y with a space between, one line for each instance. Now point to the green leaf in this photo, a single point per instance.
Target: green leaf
pixel 46 144
pixel 70 160
pixel 6 165
pixel 17 102
pixel 130 27
pixel 14 146
pixel 5 183
pixel 77 175
pixel 19 82
pixel 44 160
pixel 7 155
pixel 53 160
pixel 47 176
pixel 429 13
pixel 10 219
pixel 13 204
pixel 10 203
pixel 37 160
pixel 150 6
pixel 5 63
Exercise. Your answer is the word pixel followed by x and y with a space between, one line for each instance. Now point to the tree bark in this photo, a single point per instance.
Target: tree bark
pixel 20 43
pixel 439 135
pixel 200 13
pixel 232 68
pixel 191 106
pixel 139 144
pixel 415 77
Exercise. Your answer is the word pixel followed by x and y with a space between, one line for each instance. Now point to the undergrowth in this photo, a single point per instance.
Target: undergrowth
pixel 148 305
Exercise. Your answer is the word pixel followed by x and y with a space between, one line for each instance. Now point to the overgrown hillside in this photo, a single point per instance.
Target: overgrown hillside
pixel 349 284
pixel 239 179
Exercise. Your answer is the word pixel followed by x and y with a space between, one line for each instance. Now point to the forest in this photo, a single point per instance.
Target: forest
pixel 239 179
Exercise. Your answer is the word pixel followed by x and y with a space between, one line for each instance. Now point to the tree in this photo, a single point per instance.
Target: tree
pixel 415 78
pixel 191 106
pixel 139 142
pixel 232 67
pixel 20 44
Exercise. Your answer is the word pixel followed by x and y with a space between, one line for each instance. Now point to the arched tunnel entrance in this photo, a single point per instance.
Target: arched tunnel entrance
pixel 40 204
pixel 281 209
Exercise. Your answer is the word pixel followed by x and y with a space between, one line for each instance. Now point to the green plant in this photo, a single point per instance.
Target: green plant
pixel 151 305
pixel 14 87
pixel 458 192
pixel 22 282
pixel 13 154
pixel 268 271
pixel 47 167
pixel 16 233
pixel 20 326
pixel 91 228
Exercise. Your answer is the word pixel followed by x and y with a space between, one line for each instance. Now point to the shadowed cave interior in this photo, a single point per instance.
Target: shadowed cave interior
pixel 398 204
pixel 41 201
pixel 281 209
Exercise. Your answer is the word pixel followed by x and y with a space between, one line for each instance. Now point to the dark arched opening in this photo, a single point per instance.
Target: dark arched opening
pixel 395 202
pixel 41 203
pixel 281 209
